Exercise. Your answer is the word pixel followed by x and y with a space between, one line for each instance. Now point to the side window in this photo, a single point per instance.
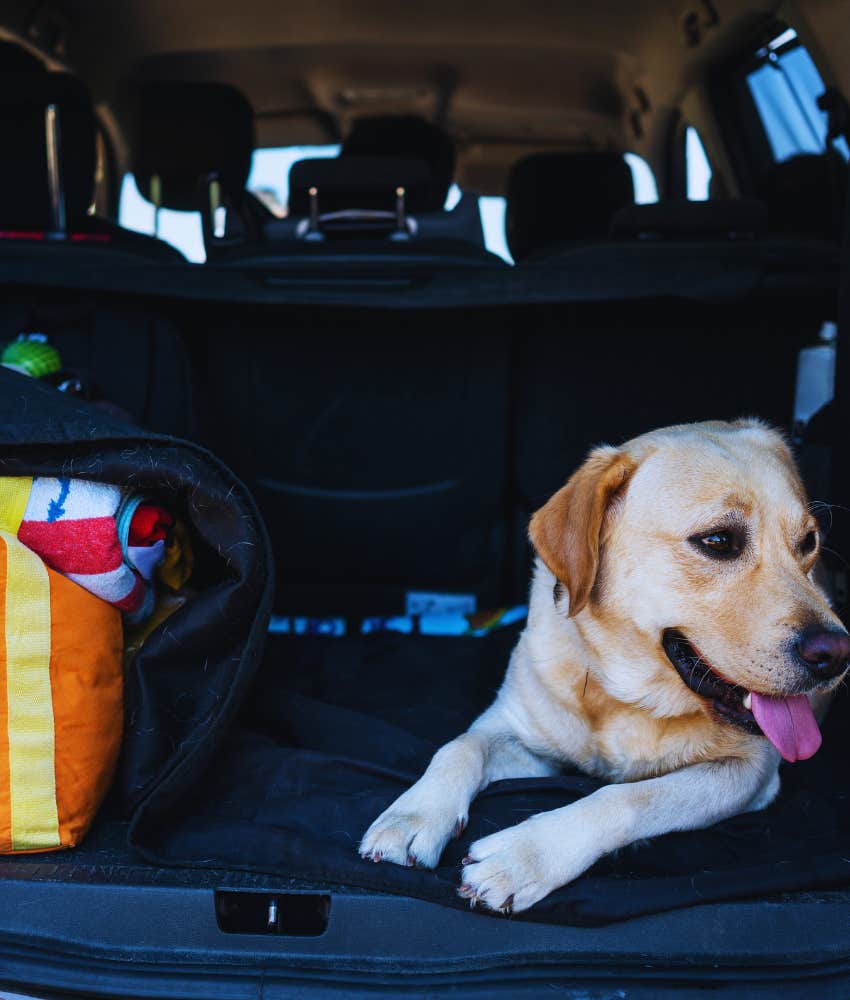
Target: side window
pixel 785 85
pixel 492 209
pixel 646 189
pixel 697 167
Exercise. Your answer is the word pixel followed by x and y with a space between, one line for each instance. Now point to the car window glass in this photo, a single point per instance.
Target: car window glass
pixel 785 87
pixel 646 190
pixel 697 167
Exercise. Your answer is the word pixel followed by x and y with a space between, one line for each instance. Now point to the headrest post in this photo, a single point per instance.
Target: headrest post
pixel 216 209
pixel 53 140
pixel 156 199
pixel 399 210
pixel 402 229
pixel 313 193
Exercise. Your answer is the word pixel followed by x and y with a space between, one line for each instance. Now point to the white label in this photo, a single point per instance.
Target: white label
pixel 420 602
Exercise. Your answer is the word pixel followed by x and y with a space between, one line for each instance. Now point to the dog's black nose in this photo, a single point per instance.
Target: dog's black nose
pixel 824 652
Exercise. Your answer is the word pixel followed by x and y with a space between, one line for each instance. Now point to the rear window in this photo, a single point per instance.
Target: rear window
pixel 785 86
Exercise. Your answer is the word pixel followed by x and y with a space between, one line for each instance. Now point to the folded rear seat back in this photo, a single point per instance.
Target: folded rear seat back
pixel 126 356
pixel 374 442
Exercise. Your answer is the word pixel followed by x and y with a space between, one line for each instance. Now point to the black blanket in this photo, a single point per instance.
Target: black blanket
pixel 338 727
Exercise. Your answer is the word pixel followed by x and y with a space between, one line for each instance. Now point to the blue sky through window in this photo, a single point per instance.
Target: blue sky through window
pixel 785 90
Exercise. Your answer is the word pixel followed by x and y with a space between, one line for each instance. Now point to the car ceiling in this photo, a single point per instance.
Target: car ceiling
pixel 503 77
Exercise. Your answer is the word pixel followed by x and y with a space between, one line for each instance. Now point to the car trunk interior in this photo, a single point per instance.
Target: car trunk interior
pixel 397 425
pixel 413 467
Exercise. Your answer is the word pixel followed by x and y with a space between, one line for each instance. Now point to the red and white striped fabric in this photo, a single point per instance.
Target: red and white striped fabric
pixel 76 526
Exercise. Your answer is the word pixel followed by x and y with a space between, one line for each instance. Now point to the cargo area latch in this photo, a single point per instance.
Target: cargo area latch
pixel 289 914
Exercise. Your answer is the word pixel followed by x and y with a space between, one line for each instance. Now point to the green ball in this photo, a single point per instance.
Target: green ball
pixel 35 357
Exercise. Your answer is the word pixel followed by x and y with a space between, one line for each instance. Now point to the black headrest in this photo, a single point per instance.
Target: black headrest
pixel 407 136
pixel 187 132
pixel 726 218
pixel 24 191
pixel 559 197
pixel 360 182
pixel 805 195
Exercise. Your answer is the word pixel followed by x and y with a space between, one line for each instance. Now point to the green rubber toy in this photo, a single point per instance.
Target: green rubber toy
pixel 31 354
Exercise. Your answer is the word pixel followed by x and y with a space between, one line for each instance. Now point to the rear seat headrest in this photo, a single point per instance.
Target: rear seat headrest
pixel 559 197
pixel 187 132
pixel 411 137
pixel 24 189
pixel 360 182
pixel 741 218
pixel 806 194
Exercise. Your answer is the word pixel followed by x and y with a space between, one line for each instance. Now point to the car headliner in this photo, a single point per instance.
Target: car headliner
pixel 505 78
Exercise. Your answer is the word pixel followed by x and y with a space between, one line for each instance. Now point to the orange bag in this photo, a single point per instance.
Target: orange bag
pixel 60 698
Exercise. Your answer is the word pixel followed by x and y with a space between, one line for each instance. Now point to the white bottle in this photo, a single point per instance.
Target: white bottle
pixel 815 377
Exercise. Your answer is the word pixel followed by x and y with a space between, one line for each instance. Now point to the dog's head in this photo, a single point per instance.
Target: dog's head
pixel 697 542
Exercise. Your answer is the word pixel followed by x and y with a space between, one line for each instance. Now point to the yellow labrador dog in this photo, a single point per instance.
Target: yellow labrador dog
pixel 677 646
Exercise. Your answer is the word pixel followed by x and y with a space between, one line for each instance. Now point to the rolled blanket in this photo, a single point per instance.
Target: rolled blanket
pixel 104 538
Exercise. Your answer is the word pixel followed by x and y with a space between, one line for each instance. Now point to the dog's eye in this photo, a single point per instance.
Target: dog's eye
pixel 721 544
pixel 809 543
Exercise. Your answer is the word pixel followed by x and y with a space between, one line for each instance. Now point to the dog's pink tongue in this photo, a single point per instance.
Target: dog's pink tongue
pixel 789 725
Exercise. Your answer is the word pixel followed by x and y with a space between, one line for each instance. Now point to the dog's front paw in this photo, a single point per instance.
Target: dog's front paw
pixel 510 871
pixel 412 832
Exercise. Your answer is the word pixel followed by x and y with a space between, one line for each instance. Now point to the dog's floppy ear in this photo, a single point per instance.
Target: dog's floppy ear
pixel 566 531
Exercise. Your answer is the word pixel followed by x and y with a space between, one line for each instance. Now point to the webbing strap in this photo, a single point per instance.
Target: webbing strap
pixel 31 733
pixel 14 493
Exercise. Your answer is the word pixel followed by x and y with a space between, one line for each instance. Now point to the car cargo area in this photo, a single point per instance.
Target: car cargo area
pixel 353 695
pixel 355 380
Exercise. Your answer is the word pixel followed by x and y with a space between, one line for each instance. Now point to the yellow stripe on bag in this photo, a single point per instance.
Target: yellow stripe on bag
pixel 32 768
pixel 14 493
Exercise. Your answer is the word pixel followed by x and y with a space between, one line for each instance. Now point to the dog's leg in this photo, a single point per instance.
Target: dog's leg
pixel 513 869
pixel 415 829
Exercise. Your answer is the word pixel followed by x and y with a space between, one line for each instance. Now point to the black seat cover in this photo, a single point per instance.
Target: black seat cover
pixel 558 198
